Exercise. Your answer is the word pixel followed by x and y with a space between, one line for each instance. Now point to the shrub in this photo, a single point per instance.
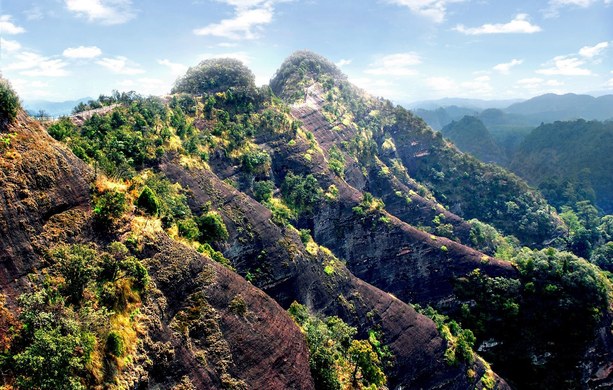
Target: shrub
pixel 114 344
pixel 148 202
pixel 188 229
pixel 62 129
pixel 262 190
pixel 109 206
pixel 212 227
pixel 9 102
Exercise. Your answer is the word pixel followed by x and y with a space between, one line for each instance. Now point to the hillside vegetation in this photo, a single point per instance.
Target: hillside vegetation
pixel 306 235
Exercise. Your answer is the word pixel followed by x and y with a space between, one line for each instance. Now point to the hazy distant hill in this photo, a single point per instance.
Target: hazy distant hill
pixel 471 136
pixel 440 117
pixel 551 107
pixel 53 108
pixel 475 104
pixel 505 113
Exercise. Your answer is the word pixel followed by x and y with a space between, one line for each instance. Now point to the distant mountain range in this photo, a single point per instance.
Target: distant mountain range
pixel 532 112
pixel 478 104
pixel 53 109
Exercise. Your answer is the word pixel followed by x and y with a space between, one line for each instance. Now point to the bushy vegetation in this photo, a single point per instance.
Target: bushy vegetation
pixel 541 321
pixel 460 342
pixel 302 193
pixel 215 75
pixel 69 333
pixel 569 161
pixel 338 360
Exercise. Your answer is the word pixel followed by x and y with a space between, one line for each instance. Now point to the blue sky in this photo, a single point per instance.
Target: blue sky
pixel 405 50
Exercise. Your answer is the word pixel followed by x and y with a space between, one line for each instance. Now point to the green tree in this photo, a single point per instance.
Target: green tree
pixel 215 75
pixel 212 228
pixel 78 266
pixel 366 361
pixel 9 103
pixel 148 202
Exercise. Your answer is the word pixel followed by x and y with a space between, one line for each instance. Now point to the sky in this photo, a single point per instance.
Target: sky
pixel 404 50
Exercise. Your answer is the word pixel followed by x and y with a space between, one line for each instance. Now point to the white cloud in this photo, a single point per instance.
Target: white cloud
pixel 175 68
pixel 377 87
pixel 144 86
pixel 519 25
pixel 442 84
pixel 553 10
pixel 537 86
pixel 34 13
pixel 82 52
pixel 343 62
pixel 106 12
pixel 119 65
pixel 609 83
pixel 9 46
pixel 249 17
pixel 399 64
pixel 8 27
pixel 432 9
pixel 34 65
pixel 565 66
pixel 479 86
pixel 592 51
pixel 505 67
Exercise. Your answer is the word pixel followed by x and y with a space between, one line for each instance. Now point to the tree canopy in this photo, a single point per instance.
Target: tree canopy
pixel 215 75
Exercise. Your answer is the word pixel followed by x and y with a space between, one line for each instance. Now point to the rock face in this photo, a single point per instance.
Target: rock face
pixel 287 272
pixel 42 184
pixel 204 325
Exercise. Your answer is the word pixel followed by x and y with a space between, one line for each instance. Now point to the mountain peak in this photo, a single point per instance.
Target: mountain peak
pixel 299 69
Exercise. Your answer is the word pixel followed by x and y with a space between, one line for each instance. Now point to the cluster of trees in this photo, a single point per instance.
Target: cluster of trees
pixel 570 162
pixel 69 334
pixel 539 322
pixel 338 360
pixel 216 75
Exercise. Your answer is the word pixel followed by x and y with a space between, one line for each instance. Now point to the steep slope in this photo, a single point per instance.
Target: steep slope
pixel 413 265
pixel 471 136
pixel 287 271
pixel 45 192
pixel 374 127
pixel 321 202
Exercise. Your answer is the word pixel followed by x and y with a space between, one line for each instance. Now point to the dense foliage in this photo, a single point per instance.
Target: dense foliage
pixel 338 360
pixel 9 103
pixel 215 75
pixel 570 161
pixel 534 328
pixel 300 69
pixel 79 324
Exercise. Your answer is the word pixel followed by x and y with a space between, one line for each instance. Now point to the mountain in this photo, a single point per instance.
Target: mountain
pixel 53 109
pixel 474 104
pixel 579 152
pixel 442 116
pixel 470 135
pixel 552 107
pixel 302 235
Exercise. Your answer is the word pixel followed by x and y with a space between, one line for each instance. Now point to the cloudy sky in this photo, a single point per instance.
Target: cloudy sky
pixel 406 50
